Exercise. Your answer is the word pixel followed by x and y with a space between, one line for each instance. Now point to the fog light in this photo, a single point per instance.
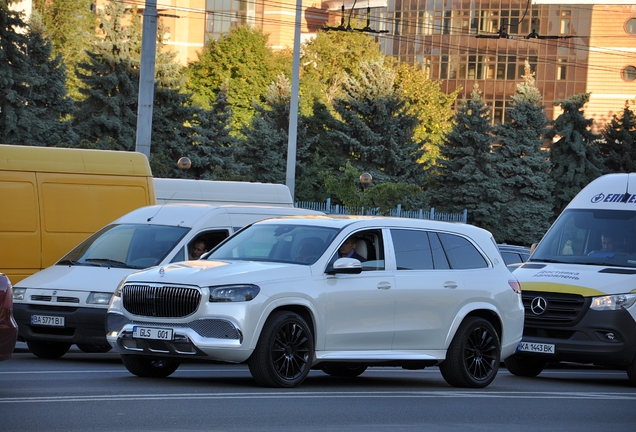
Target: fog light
pixel 611 336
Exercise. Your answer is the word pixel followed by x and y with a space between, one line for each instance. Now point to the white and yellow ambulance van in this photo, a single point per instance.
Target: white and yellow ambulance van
pixel 579 285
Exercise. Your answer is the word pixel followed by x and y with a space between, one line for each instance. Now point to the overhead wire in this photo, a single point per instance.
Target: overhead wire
pixel 415 38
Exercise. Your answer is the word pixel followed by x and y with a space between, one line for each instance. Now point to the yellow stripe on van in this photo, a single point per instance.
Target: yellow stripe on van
pixel 560 288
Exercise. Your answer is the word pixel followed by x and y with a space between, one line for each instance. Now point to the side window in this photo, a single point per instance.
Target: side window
pixel 205 241
pixel 366 246
pixel 412 249
pixel 461 253
pixel 440 260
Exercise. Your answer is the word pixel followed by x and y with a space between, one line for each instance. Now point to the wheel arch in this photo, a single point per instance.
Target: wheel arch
pixel 486 312
pixel 301 308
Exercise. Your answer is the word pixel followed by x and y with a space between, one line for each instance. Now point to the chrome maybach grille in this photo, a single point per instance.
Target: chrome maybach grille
pixel 160 301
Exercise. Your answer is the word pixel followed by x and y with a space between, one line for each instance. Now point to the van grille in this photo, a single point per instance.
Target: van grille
pixel 560 308
pixel 160 301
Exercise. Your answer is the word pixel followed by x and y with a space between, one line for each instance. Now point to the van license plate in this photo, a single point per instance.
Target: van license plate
pixel 536 347
pixel 46 320
pixel 152 333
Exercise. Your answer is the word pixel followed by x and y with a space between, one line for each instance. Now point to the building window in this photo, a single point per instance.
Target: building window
pixel 564 28
pixel 630 26
pixel 498 112
pixel 561 72
pixel 629 73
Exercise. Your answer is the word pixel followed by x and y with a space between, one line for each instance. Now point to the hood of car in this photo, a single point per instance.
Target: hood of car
pixel 76 278
pixel 207 272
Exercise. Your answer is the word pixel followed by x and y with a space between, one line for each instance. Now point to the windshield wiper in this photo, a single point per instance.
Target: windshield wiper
pixel 75 263
pixel 109 262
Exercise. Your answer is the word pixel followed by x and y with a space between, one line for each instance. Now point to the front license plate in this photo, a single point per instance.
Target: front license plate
pixel 536 347
pixel 152 333
pixel 46 320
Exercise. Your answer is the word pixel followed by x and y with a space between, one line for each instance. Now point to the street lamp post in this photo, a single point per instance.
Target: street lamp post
pixel 365 181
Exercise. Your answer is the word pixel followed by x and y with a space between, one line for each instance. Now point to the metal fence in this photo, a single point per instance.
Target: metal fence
pixel 398 212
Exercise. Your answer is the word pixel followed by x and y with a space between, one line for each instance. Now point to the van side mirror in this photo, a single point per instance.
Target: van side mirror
pixel 345 266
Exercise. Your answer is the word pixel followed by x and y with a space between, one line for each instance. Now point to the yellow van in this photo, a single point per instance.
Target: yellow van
pixel 54 198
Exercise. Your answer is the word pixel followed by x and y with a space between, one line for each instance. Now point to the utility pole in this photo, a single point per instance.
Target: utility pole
pixel 293 108
pixel 147 78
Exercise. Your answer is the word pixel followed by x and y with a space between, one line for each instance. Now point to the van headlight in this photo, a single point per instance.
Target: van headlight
pixel 18 293
pixel 98 298
pixel 234 293
pixel 613 302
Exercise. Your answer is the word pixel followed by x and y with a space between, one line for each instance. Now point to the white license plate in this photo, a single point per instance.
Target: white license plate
pixel 152 333
pixel 536 347
pixel 46 320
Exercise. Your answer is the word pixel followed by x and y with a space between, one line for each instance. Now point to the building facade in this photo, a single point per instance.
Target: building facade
pixel 571 47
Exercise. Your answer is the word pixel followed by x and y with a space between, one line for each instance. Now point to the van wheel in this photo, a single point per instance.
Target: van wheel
pixel 149 367
pixel 284 351
pixel 48 350
pixel 631 373
pixel 473 357
pixel 94 348
pixel 524 366
pixel 344 371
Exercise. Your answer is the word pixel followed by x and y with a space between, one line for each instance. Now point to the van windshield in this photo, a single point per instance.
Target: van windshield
pixel 132 246
pixel 594 237
pixel 299 244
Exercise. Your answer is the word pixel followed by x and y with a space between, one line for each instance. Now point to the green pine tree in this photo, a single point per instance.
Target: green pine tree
pixel 523 166
pixel 70 25
pixel 574 157
pixel 107 114
pixel 618 148
pixel 376 131
pixel 263 153
pixel 464 177
pixel 214 146
pixel 34 106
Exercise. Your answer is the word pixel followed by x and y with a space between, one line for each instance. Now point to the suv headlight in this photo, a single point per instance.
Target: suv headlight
pixel 613 302
pixel 234 293
pixel 98 298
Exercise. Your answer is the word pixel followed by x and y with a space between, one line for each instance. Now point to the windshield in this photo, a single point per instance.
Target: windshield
pixel 126 246
pixel 300 244
pixel 595 237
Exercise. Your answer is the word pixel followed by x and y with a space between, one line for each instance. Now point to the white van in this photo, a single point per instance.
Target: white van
pixel 66 303
pixel 579 285
pixel 222 192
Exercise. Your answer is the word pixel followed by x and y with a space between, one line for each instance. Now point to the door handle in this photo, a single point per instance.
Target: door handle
pixel 450 285
pixel 384 285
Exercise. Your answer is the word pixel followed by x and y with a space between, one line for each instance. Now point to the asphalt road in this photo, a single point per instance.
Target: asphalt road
pixel 83 392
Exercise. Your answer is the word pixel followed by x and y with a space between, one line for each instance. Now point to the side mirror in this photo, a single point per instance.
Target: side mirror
pixel 345 266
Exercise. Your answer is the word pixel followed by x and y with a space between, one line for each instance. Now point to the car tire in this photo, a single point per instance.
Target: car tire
pixel 94 348
pixel 284 351
pixel 48 350
pixel 524 366
pixel 149 367
pixel 473 357
pixel 343 371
